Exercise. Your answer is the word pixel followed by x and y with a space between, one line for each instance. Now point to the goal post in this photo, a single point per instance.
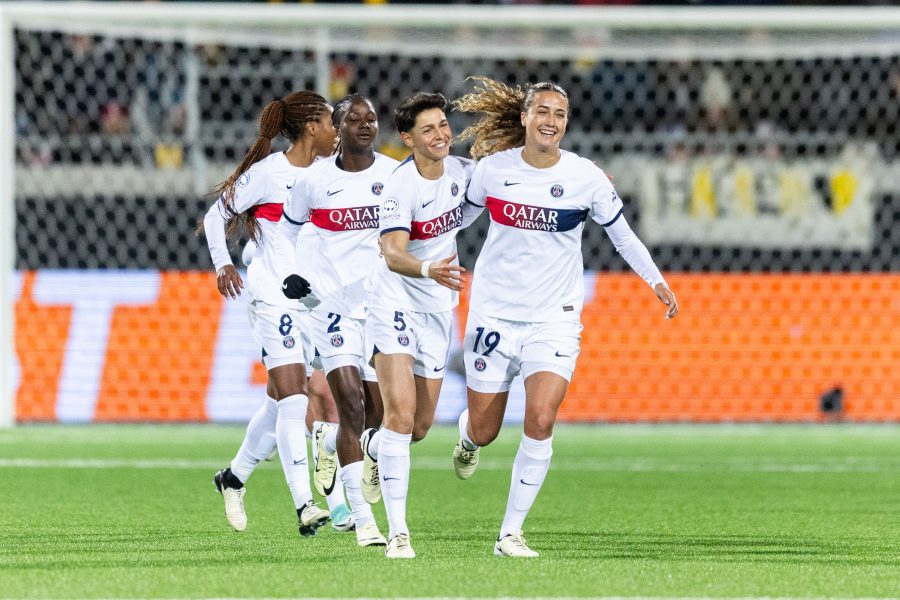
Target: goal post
pixel 723 127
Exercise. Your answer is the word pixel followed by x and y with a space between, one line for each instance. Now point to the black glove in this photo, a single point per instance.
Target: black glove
pixel 295 287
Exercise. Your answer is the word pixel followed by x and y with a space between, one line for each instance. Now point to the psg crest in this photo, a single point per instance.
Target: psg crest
pixel 288 341
pixel 480 365
pixel 377 187
pixel 556 191
pixel 454 189
pixel 403 339
pixel 337 340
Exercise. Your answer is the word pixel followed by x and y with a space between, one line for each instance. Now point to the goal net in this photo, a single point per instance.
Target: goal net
pixel 756 150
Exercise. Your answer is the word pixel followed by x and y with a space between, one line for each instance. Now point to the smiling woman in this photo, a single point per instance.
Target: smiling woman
pixel 528 320
pixel 339 199
pixel 408 323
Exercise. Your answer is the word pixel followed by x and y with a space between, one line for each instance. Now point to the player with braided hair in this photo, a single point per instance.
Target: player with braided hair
pixel 251 202
pixel 528 285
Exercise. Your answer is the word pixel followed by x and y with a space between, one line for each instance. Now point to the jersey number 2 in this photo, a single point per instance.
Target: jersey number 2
pixel 334 327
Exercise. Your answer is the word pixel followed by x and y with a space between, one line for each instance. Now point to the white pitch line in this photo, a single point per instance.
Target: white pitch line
pixel 433 464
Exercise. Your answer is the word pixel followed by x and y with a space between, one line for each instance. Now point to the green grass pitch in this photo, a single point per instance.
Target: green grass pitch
pixel 652 511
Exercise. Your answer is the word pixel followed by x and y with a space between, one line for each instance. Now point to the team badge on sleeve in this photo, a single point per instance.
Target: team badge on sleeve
pixel 556 191
pixel 337 340
pixel 454 189
pixel 243 180
pixel 390 205
pixel 377 187
pixel 288 342
pixel 403 339
pixel 480 365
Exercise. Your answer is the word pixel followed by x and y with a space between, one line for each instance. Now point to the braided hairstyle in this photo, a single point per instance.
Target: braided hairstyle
pixel 286 116
pixel 500 128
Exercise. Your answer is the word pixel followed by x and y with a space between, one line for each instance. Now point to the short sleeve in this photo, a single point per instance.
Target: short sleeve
pixel 475 193
pixel 297 205
pixel 395 213
pixel 606 206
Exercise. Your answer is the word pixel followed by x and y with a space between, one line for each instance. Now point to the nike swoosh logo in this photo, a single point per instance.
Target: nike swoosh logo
pixel 509 183
pixel 522 481
pixel 390 479
pixel 436 370
pixel 563 355
pixel 334 192
pixel 300 462
pixel 289 187
pixel 427 203
pixel 328 490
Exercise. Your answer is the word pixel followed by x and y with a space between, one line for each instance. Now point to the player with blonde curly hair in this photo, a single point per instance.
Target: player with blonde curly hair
pixel 528 286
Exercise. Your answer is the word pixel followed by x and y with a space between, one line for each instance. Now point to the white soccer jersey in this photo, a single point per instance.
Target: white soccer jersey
pixel 262 190
pixel 343 209
pixel 432 212
pixel 531 267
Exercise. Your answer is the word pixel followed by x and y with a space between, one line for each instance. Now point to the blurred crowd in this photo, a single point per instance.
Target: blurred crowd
pixel 94 99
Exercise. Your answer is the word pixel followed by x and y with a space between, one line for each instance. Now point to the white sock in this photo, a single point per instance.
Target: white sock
pixel 292 446
pixel 393 468
pixel 468 444
pixel 351 477
pixel 258 441
pixel 331 439
pixel 374 442
pixel 528 473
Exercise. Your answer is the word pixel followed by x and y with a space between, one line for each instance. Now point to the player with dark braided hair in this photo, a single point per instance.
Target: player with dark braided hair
pixel 251 202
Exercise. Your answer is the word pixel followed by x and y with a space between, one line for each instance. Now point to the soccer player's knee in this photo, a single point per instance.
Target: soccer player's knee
pixel 542 426
pixel 420 430
pixel 483 435
pixel 318 388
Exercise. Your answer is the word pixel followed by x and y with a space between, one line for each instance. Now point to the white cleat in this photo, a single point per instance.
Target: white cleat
pixel 310 518
pixel 464 461
pixel 342 519
pixel 326 462
pixel 368 535
pixel 399 547
pixel 513 545
pixel 371 486
pixel 234 502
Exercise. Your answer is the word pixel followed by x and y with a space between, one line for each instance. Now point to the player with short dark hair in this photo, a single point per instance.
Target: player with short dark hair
pixel 339 198
pixel 409 318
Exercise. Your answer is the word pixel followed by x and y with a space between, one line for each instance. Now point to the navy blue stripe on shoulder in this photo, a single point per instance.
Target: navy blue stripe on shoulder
pixel 290 220
pixel 614 219
pixel 405 160
pixel 392 229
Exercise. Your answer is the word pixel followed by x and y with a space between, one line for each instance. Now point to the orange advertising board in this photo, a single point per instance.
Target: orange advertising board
pixel 164 346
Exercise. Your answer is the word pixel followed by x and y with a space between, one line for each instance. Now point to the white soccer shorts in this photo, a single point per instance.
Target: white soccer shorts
pixel 339 341
pixel 424 336
pixel 281 332
pixel 496 350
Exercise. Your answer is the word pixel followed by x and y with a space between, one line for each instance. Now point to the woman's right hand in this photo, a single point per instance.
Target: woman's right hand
pixel 229 282
pixel 446 273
